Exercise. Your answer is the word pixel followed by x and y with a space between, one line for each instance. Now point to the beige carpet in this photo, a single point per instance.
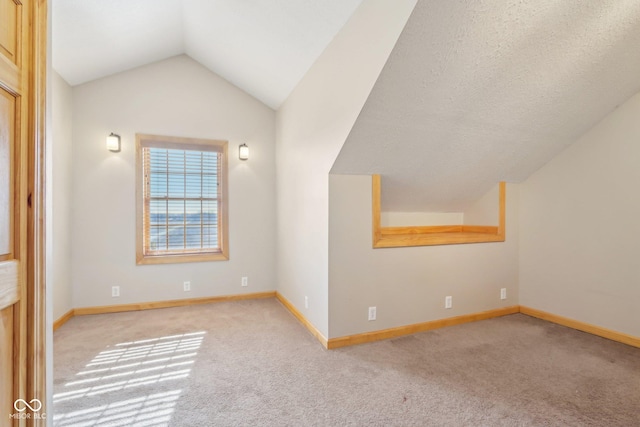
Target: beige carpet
pixel 250 363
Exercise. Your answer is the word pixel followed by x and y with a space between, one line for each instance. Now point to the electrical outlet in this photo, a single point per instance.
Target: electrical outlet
pixel 115 291
pixel 448 302
pixel 503 293
pixel 306 301
pixel 186 286
pixel 245 281
pixel 372 313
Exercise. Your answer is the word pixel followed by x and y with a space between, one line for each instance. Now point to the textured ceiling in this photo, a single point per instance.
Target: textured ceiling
pixel 476 92
pixel 263 47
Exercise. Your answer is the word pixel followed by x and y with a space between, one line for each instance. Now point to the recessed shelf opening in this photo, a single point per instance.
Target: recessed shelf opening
pixel 390 237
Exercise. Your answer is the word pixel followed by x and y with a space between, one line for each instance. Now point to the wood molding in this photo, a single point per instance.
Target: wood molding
pixel 418 327
pixel 36 307
pixel 394 237
pixel 63 319
pixel 435 239
pixel 502 211
pixel 485 229
pixel 9 273
pixel 581 326
pixel 294 311
pixel 14 74
pixel 171 303
pixel 366 337
pixel 421 229
pixel 375 208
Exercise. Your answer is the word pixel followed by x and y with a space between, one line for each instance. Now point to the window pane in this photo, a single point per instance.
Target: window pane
pixel 176 185
pixel 181 191
pixel 157 238
pixel 210 236
pixel 158 184
pixel 175 161
pixel 194 240
pixel 157 212
pixel 193 161
pixel 209 211
pixel 194 185
pixel 176 237
pixel 157 159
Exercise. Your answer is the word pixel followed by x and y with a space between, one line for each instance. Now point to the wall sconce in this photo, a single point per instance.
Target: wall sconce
pixel 243 152
pixel 113 142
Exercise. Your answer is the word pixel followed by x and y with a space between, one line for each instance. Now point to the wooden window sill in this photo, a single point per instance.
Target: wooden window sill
pixel 394 237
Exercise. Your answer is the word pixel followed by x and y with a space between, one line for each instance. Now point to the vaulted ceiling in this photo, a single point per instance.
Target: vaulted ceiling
pixel 263 47
pixel 476 92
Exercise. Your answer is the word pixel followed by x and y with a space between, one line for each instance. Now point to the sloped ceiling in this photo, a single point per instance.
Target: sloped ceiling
pixel 476 92
pixel 263 47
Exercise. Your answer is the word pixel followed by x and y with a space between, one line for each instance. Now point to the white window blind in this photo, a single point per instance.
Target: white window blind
pixel 181 201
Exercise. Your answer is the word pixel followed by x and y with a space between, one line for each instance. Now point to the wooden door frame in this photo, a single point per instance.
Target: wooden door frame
pixel 26 331
pixel 36 232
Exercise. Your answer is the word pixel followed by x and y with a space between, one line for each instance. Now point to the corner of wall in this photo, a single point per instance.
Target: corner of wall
pixel 59 184
pixel 311 127
pixel 485 210
pixel 579 227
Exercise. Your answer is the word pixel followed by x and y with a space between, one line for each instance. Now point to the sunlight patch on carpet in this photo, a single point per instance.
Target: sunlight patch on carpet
pixel 125 369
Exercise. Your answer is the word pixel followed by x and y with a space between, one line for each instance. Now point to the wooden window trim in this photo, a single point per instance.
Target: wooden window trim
pixel 143 140
pixel 394 237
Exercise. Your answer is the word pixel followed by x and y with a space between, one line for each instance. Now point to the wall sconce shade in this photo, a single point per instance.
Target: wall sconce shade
pixel 243 152
pixel 113 142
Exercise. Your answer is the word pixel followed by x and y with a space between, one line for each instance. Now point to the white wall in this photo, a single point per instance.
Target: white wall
pixel 580 227
pixel 312 126
pixel 485 211
pixel 175 97
pixel 409 285
pixel 59 235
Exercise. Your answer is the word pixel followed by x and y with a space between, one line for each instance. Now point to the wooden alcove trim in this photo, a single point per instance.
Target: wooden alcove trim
pixel 393 237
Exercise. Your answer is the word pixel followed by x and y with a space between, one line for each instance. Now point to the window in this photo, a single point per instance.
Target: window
pixel 181 200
